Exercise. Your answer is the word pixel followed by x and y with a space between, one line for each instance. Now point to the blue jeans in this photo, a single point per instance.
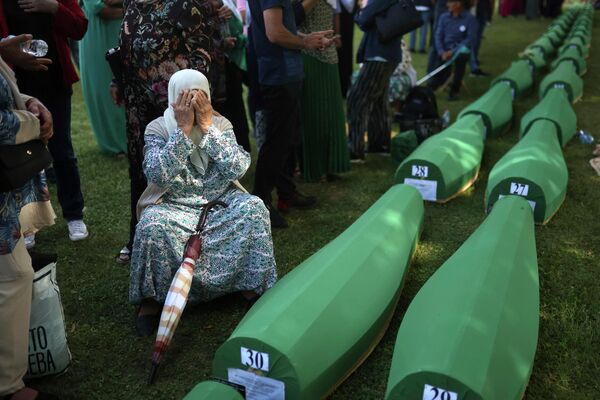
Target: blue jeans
pixel 68 186
pixel 425 16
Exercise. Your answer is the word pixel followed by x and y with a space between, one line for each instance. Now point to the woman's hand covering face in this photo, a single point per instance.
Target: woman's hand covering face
pixel 203 110
pixel 184 112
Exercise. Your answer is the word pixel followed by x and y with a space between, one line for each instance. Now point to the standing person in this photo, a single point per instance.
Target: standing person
pixel 483 15
pixel 233 108
pixel 158 39
pixel 368 97
pixel 54 22
pixel 456 28
pixel 107 120
pixel 280 72
pixel 346 50
pixel 23 118
pixel 324 126
pixel 424 9
pixel 439 8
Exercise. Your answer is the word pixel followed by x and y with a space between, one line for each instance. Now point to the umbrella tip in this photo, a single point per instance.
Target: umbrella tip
pixel 152 373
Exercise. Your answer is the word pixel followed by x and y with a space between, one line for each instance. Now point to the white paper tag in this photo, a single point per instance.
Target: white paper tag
pixel 420 171
pixel 531 202
pixel 428 189
pixel 255 359
pixel 519 189
pixel 257 387
pixel 435 393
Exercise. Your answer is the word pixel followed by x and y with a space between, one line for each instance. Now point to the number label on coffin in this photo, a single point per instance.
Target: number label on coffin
pixel 435 393
pixel 257 387
pixel 519 189
pixel 255 359
pixel 428 189
pixel 420 171
pixel 531 202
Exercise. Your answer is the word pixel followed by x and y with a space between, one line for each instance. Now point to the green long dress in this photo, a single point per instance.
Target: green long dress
pixel 107 120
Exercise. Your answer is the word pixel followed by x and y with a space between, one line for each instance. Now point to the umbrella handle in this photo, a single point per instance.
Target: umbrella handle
pixel 206 208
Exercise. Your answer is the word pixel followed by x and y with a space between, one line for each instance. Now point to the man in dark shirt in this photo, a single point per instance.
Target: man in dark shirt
pixel 280 73
pixel 455 29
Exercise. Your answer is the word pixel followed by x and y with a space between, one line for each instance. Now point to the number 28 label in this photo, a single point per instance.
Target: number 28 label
pixel 435 393
pixel 255 359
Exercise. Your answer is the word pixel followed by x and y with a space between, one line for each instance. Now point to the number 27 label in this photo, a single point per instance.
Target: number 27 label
pixel 255 359
pixel 435 393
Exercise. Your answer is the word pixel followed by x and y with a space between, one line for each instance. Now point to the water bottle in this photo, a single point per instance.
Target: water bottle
pixel 585 137
pixel 445 119
pixel 35 47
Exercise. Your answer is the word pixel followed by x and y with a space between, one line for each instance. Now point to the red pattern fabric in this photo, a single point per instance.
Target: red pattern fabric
pixel 69 23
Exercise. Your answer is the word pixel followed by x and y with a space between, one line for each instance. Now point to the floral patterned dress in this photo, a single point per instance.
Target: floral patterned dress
pixel 158 38
pixel 237 249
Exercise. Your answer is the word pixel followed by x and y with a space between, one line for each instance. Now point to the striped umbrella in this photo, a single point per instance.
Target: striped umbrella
pixel 178 292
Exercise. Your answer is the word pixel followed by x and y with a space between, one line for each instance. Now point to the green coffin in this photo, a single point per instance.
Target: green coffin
pixel 447 163
pixel 471 331
pixel 535 169
pixel 536 59
pixel 211 390
pixel 573 56
pixel 554 107
pixel 495 108
pixel 544 44
pixel 520 77
pixel 319 322
pixel 564 76
pixel 554 36
pixel 577 43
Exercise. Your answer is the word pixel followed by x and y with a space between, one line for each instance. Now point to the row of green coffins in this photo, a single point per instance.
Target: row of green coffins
pixel 471 331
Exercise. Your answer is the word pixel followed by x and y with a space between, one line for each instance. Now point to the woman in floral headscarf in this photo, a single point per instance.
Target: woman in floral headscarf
pixel 158 38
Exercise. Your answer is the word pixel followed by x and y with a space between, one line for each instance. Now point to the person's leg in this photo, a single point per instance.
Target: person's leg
pixel 425 16
pixel 137 181
pixel 460 65
pixel 379 126
pixel 279 106
pixel 68 183
pixel 441 77
pixel 345 53
pixel 16 279
pixel 413 39
pixel 359 104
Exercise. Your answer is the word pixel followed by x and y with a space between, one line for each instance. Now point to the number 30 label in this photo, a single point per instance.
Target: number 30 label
pixel 435 393
pixel 254 359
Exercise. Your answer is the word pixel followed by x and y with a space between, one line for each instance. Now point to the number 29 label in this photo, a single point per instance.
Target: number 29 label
pixel 255 359
pixel 435 393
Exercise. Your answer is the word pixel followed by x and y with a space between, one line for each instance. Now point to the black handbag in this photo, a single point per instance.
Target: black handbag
pixel 113 57
pixel 400 18
pixel 21 162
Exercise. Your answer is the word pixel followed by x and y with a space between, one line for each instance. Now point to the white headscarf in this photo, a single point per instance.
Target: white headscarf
pixel 188 79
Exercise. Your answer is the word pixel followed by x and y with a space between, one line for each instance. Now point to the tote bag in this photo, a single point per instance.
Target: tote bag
pixel 400 18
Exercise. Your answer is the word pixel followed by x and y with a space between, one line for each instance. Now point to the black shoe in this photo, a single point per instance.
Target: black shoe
pixel 422 51
pixel 145 325
pixel 297 200
pixel 277 221
pixel 452 96
pixel 356 158
pixel 412 50
pixel 479 72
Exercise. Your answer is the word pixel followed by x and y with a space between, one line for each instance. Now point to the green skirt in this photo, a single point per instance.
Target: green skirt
pixel 324 124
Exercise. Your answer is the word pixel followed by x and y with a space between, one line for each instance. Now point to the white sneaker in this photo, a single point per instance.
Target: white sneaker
pixel 77 230
pixel 29 241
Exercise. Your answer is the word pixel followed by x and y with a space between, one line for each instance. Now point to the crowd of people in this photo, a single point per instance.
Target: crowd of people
pixel 174 105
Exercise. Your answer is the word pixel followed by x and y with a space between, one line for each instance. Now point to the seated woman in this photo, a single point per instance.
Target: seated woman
pixel 191 157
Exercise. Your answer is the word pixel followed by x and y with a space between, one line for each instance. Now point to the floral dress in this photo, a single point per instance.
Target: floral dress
pixel 158 38
pixel 237 249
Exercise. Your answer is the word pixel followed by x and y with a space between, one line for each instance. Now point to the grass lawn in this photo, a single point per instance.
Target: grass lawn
pixel 110 362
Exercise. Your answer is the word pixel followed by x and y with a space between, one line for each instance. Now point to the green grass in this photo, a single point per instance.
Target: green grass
pixel 110 362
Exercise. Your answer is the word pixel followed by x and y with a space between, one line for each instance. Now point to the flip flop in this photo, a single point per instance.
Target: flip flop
pixel 595 163
pixel 124 256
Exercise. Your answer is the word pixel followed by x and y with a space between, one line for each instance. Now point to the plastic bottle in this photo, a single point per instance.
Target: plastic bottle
pixel 446 119
pixel 585 137
pixel 35 47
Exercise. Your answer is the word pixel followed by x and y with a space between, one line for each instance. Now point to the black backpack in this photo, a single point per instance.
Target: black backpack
pixel 420 113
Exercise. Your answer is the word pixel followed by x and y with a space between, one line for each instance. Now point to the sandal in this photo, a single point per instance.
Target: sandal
pixel 124 256
pixel 595 163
